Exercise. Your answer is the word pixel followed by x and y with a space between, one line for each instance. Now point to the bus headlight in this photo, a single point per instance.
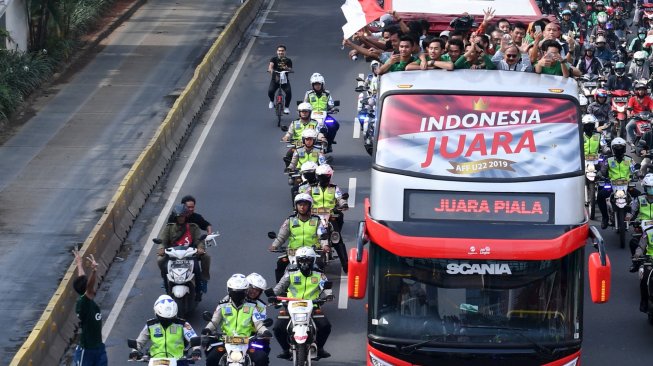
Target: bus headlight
pixel 378 362
pixel 573 362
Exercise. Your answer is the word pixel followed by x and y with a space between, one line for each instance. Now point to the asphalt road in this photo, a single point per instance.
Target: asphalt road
pixel 61 168
pixel 237 180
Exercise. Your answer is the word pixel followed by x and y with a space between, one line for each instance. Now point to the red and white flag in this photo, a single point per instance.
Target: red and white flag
pixel 359 13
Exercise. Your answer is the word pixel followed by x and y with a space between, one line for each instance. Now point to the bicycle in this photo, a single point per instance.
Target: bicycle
pixel 280 96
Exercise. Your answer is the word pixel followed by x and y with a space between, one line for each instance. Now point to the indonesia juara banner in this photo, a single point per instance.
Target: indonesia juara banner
pixel 479 136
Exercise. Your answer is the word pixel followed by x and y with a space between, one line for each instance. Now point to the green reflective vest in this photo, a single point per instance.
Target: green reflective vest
pixel 319 104
pixel 304 156
pixel 302 287
pixel 324 197
pixel 303 233
pixel 299 127
pixel 617 170
pixel 649 243
pixel 645 209
pixel 591 144
pixel 238 322
pixel 168 342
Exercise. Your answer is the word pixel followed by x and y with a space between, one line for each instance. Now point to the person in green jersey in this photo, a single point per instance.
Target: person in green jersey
pixel 90 351
pixel 401 58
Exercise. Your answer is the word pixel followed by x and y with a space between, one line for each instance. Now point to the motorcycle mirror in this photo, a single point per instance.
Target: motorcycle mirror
pixel 359 89
pixel 272 235
pixel 284 128
pixel 336 103
pixel 131 343
pixel 268 322
pixel 207 316
pixel 345 196
pixel 328 285
pixel 269 292
pixel 300 102
pixel 195 341
pixel 360 79
pixel 157 241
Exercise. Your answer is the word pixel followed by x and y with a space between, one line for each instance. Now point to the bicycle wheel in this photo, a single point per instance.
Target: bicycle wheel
pixel 279 103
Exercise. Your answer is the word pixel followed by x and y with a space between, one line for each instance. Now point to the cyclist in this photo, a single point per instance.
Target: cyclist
pixel 280 63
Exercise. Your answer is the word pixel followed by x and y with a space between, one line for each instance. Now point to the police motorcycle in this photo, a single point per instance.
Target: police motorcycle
pixel 325 120
pixel 617 204
pixel 168 361
pixel 334 239
pixel 237 348
pixel 288 258
pixel 301 328
pixel 591 183
pixel 182 284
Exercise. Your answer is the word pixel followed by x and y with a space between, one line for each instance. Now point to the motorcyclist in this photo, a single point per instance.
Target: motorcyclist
pixel 296 127
pixel 566 24
pixel 637 43
pixel 180 233
pixel 599 26
pixel 308 152
pixel 619 23
pixel 167 333
pixel 619 81
pixel 600 109
pixel 237 316
pixel 599 7
pixel 603 52
pixel 328 196
pixel 308 175
pixel 640 66
pixel 576 17
pixel 321 100
pixel 637 104
pixel 643 149
pixel 617 167
pixel 301 229
pixel 589 64
pixel 591 139
pixel 303 283
pixel 644 247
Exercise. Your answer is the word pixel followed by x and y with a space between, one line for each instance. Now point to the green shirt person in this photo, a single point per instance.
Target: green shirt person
pixel 434 60
pixel 90 351
pixel 552 62
pixel 399 61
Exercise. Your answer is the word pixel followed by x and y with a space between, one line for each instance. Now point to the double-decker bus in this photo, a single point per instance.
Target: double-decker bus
pixel 472 251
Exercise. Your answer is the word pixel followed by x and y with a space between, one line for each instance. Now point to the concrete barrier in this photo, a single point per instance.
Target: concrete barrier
pixel 56 327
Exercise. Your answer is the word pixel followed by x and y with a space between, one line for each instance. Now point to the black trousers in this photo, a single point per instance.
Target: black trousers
pixel 281 331
pixel 272 89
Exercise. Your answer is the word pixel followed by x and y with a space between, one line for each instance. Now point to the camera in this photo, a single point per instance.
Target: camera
pixel 463 23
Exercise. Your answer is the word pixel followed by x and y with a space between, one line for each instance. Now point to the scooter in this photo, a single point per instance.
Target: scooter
pixel 642 125
pixel 591 184
pixel 587 84
pixel 236 348
pixel 168 361
pixel 301 328
pixel 288 261
pixel 619 105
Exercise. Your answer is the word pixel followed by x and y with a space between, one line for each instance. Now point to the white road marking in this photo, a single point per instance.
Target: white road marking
pixel 161 220
pixel 342 293
pixel 351 201
pixel 357 128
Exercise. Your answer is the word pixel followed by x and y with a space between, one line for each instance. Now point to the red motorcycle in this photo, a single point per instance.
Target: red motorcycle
pixel 642 125
pixel 619 104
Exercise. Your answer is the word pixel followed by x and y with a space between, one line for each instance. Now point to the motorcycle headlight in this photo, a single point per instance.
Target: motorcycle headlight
pixel 236 356
pixel 620 195
pixel 335 237
pixel 300 317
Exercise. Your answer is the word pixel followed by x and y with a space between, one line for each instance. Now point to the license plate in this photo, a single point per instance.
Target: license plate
pixel 620 182
pixel 180 263
pixel 160 362
pixel 321 210
pixel 591 158
pixel 621 99
pixel 590 83
pixel 300 304
pixel 236 340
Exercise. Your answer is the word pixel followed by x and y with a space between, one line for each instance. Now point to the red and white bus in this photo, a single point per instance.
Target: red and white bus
pixel 475 229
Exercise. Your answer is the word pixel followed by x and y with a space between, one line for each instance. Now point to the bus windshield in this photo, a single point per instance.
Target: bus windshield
pixel 453 301
pixel 479 136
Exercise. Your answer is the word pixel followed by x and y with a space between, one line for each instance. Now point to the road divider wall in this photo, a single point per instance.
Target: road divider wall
pixel 55 329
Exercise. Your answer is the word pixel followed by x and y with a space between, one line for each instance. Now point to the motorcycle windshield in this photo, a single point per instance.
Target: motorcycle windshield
pixel 476 302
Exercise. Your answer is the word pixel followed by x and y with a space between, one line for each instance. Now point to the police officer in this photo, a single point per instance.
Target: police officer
pixel 301 229
pixel 327 196
pixel 591 139
pixel 304 121
pixel 308 152
pixel 308 284
pixel 644 205
pixel 183 233
pixel 237 316
pixel 619 166
pixel 167 333
pixel 321 100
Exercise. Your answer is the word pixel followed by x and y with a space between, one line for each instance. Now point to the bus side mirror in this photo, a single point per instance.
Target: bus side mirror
pixel 357 274
pixel 599 269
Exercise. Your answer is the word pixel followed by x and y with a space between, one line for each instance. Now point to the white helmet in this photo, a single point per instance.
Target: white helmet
pixel 305 252
pixel 257 281
pixel 618 141
pixel 639 55
pixel 303 197
pixel 308 166
pixel 573 6
pixel 237 282
pixel 317 78
pixel 309 133
pixel 374 65
pixel 304 107
pixel 589 118
pixel 602 18
pixel 324 169
pixel 165 307
pixel 648 180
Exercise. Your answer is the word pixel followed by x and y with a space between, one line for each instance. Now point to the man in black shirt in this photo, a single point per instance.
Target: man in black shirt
pixel 91 350
pixel 193 217
pixel 280 63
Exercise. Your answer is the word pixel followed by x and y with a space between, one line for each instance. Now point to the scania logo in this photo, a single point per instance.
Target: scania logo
pixel 480 269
